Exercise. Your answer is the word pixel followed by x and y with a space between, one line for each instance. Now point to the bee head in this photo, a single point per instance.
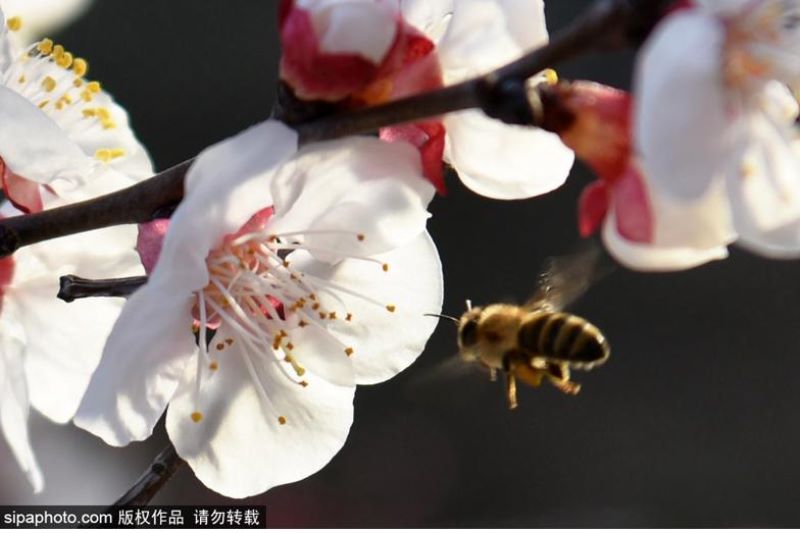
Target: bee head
pixel 468 328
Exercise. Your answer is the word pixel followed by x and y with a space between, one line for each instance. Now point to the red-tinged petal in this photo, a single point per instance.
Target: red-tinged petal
pixel 592 208
pixel 149 242
pixel 313 74
pixel 632 207
pixel 429 139
pixel 256 223
pixel 600 131
pixel 22 193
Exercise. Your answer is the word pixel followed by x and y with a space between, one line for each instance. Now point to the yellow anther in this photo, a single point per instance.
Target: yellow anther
pixel 43 104
pixel 228 341
pixel 550 76
pixel 87 95
pixel 107 154
pixel 220 346
pixel 94 86
pixel 349 317
pixel 386 267
pixel 332 315
pixel 89 112
pixel 304 383
pixel 22 79
pixel 282 420
pixel 391 308
pixel 45 47
pixel 80 67
pixel 49 84
pixel 14 23
pixel 197 416
pixel 361 237
pixel 58 51
pixel 77 82
pixel 65 60
pixel 290 346
pixel 213 366
pixel 302 323
pixel 349 351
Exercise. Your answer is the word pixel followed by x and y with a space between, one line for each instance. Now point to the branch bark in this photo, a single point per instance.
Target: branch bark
pixel 160 471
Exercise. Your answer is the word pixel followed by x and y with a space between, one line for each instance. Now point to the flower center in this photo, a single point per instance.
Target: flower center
pixel 262 298
pixel 759 40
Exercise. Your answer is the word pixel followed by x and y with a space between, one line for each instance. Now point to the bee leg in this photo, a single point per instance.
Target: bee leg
pixel 511 390
pixel 559 377
pixel 528 375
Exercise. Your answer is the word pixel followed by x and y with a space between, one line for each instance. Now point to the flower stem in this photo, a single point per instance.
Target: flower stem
pixel 72 287
pixel 158 473
pixel 607 24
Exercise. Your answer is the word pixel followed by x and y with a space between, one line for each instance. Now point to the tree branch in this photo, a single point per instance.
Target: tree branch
pixel 160 471
pixel 73 287
pixel 607 24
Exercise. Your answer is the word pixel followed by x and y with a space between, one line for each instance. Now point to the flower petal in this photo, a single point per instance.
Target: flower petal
pixel 485 34
pixel 42 16
pixel 652 257
pixel 245 445
pixel 386 329
pixel 228 183
pixel 765 191
pixel 14 405
pixel 505 162
pixel 65 341
pixel 431 18
pixel 141 367
pixel 350 188
pixel 35 147
pixel 681 119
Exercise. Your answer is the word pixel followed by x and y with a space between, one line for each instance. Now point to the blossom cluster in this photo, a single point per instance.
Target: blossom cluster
pixel 292 273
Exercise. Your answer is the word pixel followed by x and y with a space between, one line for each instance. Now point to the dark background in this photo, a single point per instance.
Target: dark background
pixel 693 421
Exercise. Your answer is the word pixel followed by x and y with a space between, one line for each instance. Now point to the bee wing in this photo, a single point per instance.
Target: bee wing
pixel 453 368
pixel 565 278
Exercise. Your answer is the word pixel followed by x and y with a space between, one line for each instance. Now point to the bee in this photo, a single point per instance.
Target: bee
pixel 538 340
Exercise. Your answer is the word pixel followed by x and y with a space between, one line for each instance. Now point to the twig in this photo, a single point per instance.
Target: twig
pixel 160 471
pixel 607 24
pixel 72 287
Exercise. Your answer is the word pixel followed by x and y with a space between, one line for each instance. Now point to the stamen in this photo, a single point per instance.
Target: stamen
pixel 197 416
pixel 14 23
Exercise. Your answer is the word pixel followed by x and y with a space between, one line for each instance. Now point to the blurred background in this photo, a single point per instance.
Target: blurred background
pixel 692 422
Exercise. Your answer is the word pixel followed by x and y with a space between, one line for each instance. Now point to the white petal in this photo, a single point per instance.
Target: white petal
pixel 361 27
pixel 505 162
pixel 142 363
pixel 765 190
pixel 431 18
pixel 35 147
pixel 479 38
pixel 525 21
pixel 701 223
pixel 681 120
pixel 240 448
pixel 6 47
pixel 14 405
pixel 355 186
pixel 228 183
pixel 42 16
pixel 655 258
pixel 384 342
pixel 64 345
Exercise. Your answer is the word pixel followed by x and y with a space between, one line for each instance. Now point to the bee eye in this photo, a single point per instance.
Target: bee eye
pixel 469 333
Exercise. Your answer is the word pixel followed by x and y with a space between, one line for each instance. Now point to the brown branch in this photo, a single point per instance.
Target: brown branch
pixel 158 473
pixel 607 24
pixel 72 288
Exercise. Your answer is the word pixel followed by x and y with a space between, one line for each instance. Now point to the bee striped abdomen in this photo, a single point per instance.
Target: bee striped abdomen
pixel 563 337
